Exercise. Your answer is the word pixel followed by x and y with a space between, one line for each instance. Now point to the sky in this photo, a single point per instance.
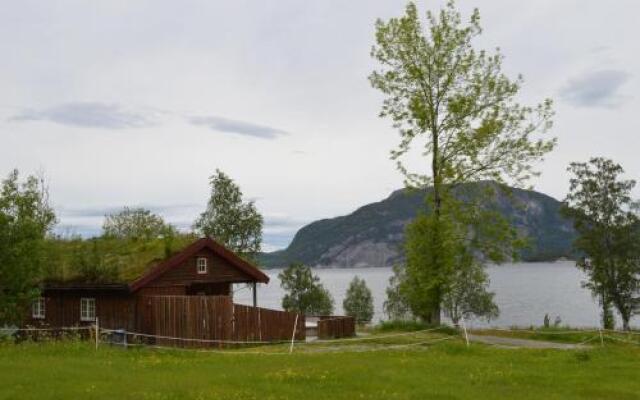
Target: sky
pixel 137 103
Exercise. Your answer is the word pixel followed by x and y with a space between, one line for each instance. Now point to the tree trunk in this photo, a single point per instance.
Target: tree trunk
pixel 607 316
pixel 437 205
pixel 625 323
pixel 435 314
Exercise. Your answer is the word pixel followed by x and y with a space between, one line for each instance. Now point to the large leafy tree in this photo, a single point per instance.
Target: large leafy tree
pixel 358 302
pixel 229 219
pixel 303 291
pixel 25 219
pixel 453 104
pixel 600 204
pixel 135 224
pixel 459 284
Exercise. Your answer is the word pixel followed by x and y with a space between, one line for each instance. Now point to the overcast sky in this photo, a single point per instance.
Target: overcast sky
pixel 138 102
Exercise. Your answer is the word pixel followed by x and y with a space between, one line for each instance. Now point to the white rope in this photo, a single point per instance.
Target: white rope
pixel 621 332
pixel 587 341
pixel 372 337
pixel 622 340
pixel 311 351
pixel 70 328
pixel 346 349
pixel 158 347
pixel 541 332
pixel 220 341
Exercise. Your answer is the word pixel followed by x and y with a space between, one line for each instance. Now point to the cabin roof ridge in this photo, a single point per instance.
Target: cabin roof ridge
pixel 183 255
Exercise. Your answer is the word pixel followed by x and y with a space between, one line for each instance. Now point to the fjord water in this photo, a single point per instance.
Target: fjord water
pixel 525 292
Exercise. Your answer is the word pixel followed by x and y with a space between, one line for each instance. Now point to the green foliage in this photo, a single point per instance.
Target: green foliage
pixel 600 203
pixel 303 291
pixel 358 302
pixel 454 98
pixel 25 220
pixel 468 293
pixel 396 306
pixel 229 220
pixel 400 325
pixel 136 224
pixel 90 265
pixel 445 262
pixel 461 110
pixel 107 259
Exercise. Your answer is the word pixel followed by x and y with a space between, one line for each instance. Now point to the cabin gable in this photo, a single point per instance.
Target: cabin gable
pixel 218 270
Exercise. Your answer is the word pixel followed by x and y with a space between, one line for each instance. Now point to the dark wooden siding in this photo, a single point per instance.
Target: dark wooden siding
pixel 218 270
pixel 335 327
pixel 62 309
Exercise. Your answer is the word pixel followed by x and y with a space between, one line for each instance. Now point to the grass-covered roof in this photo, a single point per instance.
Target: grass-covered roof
pixel 109 260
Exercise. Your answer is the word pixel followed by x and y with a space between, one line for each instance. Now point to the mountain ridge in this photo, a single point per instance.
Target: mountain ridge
pixel 372 235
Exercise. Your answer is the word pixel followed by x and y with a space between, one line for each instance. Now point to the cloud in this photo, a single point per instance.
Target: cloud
pixel 88 115
pixel 596 89
pixel 237 127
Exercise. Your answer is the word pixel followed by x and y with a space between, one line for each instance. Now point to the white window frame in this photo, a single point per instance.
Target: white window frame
pixel 201 265
pixel 38 308
pixel 87 309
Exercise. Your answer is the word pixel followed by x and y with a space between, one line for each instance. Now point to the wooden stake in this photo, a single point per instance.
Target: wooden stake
pixel 601 338
pixel 293 336
pixel 464 328
pixel 97 333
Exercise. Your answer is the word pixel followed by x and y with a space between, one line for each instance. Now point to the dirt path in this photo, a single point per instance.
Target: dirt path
pixel 524 343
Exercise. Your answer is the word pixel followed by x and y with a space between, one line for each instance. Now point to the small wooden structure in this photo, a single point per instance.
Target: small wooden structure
pixel 331 326
pixel 187 295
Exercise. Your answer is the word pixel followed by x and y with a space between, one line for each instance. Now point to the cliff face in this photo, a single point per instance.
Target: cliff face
pixel 372 236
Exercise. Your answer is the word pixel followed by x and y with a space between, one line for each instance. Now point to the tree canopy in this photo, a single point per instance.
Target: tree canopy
pixel 303 291
pixel 454 105
pixel 25 220
pixel 135 224
pixel 604 215
pixel 229 219
pixel 358 302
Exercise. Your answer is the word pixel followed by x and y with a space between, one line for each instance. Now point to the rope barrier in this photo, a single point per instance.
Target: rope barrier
pixel 622 340
pixel 219 341
pixel 70 328
pixel 621 332
pixel 373 337
pixel 377 348
pixel 543 332
pixel 307 351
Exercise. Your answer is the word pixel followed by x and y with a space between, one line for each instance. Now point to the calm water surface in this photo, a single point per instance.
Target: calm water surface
pixel 524 293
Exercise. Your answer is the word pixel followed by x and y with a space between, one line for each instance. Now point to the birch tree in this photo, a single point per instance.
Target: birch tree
pixel 453 106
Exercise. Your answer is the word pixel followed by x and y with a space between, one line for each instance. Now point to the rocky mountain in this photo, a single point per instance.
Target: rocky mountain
pixel 372 236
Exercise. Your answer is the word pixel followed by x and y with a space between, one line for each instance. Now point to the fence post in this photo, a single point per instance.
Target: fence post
pixel 293 335
pixel 97 333
pixel 259 324
pixel 601 338
pixel 464 328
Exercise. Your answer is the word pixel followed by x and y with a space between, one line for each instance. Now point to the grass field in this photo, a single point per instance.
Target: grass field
pixel 446 370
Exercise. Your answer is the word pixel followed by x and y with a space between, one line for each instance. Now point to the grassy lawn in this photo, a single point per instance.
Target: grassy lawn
pixel 447 370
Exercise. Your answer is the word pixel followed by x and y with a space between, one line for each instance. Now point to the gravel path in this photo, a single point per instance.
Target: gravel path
pixel 524 343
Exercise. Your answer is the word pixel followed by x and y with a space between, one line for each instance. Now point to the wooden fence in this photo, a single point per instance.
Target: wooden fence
pixel 262 324
pixel 212 320
pixel 336 327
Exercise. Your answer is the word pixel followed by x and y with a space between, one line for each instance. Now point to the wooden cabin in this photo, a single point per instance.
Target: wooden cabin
pixel 204 268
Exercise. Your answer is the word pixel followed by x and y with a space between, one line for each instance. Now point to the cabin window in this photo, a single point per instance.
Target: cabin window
pixel 87 309
pixel 202 265
pixel 37 308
